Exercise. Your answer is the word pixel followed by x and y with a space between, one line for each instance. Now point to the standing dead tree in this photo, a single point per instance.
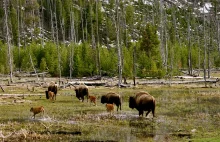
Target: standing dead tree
pixel 8 39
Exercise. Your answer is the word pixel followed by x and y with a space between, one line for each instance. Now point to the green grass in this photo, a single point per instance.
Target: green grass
pixel 179 111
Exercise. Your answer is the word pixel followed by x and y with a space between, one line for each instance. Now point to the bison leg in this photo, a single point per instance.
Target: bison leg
pixel 141 112
pixel 148 112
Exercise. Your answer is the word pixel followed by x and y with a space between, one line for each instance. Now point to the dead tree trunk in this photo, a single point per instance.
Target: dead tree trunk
pixel 8 39
pixel 118 45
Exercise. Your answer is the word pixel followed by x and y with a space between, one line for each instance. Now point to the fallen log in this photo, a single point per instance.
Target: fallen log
pixel 62 132
pixel 2 88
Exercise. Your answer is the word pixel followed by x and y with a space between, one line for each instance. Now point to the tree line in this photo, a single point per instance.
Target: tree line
pixel 128 38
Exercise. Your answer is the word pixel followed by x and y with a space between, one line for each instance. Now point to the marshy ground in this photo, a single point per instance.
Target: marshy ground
pixel 183 113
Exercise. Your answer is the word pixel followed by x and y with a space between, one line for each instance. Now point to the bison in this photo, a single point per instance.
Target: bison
pixel 111 98
pixel 50 95
pixel 82 91
pixel 110 108
pixel 37 110
pixel 53 88
pixel 143 101
pixel 92 99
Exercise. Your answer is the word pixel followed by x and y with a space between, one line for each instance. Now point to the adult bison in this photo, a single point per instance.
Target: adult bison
pixel 53 88
pixel 111 98
pixel 143 101
pixel 81 92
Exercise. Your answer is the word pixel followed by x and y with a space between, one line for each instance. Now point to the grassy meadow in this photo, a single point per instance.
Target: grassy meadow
pixel 183 113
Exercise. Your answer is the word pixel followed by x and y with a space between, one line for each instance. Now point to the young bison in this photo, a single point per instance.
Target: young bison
pixel 51 95
pixel 110 108
pixel 112 98
pixel 92 99
pixel 37 110
pixel 143 101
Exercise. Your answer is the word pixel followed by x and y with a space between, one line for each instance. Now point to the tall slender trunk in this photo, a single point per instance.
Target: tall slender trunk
pixel 189 44
pixel 118 45
pixel 19 40
pixel 57 44
pixel 204 34
pixel 8 39
pixel 97 41
pixel 82 21
pixel 72 38
pixel 42 24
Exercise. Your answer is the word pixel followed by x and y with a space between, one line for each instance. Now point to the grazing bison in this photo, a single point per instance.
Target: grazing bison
pixel 37 110
pixel 53 88
pixel 143 101
pixel 82 91
pixel 111 98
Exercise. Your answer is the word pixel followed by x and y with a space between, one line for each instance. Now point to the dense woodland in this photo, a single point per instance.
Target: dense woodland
pixel 125 38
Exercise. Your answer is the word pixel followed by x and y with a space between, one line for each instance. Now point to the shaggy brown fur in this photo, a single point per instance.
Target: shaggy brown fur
pixel 112 98
pixel 92 99
pixel 37 110
pixel 51 95
pixel 110 108
pixel 143 101
pixel 53 88
pixel 81 91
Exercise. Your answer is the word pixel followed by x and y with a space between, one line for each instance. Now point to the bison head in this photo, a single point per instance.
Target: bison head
pixel 132 102
pixel 104 99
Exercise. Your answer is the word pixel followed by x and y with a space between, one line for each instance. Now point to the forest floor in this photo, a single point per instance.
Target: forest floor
pixel 184 112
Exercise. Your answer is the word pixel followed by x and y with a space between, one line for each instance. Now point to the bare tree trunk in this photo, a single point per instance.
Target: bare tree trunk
pixel 82 26
pixel 134 65
pixel 72 36
pixel 8 39
pixel 189 44
pixel 97 41
pixel 57 44
pixel 42 24
pixel 52 23
pixel 161 35
pixel 19 40
pixel 204 34
pixel 118 45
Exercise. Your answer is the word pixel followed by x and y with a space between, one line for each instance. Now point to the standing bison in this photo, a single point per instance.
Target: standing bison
pixel 143 101
pixel 111 98
pixel 82 91
pixel 53 88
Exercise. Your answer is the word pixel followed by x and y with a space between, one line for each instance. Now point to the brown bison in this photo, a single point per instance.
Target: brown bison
pixel 51 95
pixel 82 91
pixel 112 98
pixel 110 108
pixel 92 99
pixel 143 101
pixel 37 110
pixel 53 88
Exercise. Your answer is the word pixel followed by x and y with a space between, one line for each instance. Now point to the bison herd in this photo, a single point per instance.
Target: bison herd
pixel 142 101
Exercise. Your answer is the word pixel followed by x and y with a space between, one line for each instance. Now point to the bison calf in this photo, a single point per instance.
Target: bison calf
pixel 110 108
pixel 37 110
pixel 143 101
pixel 112 98
pixel 51 95
pixel 92 99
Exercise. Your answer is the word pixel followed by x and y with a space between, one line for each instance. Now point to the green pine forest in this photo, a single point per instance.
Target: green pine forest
pixel 83 38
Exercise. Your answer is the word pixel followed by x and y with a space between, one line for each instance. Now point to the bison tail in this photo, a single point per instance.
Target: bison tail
pixel 153 109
